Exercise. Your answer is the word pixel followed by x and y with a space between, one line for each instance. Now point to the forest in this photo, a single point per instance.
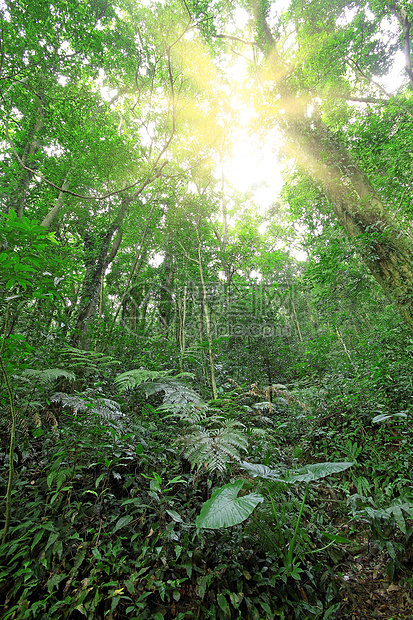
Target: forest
pixel 206 309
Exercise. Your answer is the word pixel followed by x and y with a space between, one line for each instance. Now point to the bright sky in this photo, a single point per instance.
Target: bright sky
pixel 254 163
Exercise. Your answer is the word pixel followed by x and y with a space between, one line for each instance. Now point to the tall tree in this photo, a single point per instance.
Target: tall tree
pixel 387 252
pixel 309 66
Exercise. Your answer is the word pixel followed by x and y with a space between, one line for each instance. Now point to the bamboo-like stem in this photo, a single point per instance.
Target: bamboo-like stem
pixel 207 324
pixel 12 439
pixel 290 553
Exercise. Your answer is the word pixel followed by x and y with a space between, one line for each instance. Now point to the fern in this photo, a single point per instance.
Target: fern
pixel 107 410
pixel 214 448
pixel 86 361
pixel 191 413
pixel 134 378
pixel 176 394
pixel 46 376
pixel 209 440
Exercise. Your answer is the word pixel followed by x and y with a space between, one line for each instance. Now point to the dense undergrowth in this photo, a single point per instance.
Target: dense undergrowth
pixel 112 470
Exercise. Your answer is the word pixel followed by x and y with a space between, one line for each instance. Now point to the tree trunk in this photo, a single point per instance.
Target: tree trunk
pixel 166 302
pixel 19 195
pixel 59 202
pixel 98 256
pixel 387 251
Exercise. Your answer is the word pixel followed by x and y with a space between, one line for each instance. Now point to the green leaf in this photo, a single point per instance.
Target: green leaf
pixel 22 267
pixel 50 478
pixel 175 516
pixel 338 539
pixel 309 473
pixel 386 416
pixel 55 580
pixel 122 522
pixel 36 539
pixel 225 509
pixel 398 515
pixel 256 469
pixel 222 601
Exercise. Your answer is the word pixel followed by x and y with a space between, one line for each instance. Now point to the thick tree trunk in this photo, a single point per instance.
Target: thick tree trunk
pixel 386 250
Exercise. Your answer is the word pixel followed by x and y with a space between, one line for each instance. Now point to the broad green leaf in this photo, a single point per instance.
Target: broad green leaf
pixel 50 478
pixel 225 509
pixel 309 473
pixel 386 416
pixel 398 515
pixel 256 469
pixel 222 601
pixel 122 522
pixel 175 516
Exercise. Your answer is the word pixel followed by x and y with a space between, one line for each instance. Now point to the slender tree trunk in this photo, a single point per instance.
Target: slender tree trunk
pixel 24 177
pixel 99 255
pixel 296 318
pixel 57 207
pixel 137 263
pixel 166 303
pixel 201 340
pixel 207 324
pixel 182 322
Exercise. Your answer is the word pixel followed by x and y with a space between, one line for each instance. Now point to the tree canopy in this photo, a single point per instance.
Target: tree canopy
pixel 173 314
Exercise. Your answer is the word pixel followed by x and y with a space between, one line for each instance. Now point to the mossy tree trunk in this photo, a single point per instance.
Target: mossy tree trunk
pixel 386 250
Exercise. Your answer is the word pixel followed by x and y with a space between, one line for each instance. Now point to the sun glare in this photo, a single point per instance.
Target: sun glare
pixel 254 168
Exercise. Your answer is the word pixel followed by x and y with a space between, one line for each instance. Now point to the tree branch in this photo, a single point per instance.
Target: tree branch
pixel 75 194
pixel 232 38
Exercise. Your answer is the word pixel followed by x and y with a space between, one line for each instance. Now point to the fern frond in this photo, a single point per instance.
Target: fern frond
pixel 72 401
pixel 188 413
pixel 214 448
pixel 134 378
pixel 87 361
pixel 259 432
pixel 47 375
pixel 106 409
pixel 176 394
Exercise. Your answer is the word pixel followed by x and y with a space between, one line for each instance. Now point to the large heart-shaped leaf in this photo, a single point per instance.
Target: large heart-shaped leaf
pixel 225 509
pixel 309 473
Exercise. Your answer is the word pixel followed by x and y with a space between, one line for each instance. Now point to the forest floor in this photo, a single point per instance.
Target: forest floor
pixel 368 593
pixel 104 523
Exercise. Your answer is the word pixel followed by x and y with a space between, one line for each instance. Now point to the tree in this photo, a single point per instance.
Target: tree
pixel 314 61
pixel 387 252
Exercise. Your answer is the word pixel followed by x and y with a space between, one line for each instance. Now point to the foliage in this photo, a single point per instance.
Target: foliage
pixel 139 277
pixel 225 509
